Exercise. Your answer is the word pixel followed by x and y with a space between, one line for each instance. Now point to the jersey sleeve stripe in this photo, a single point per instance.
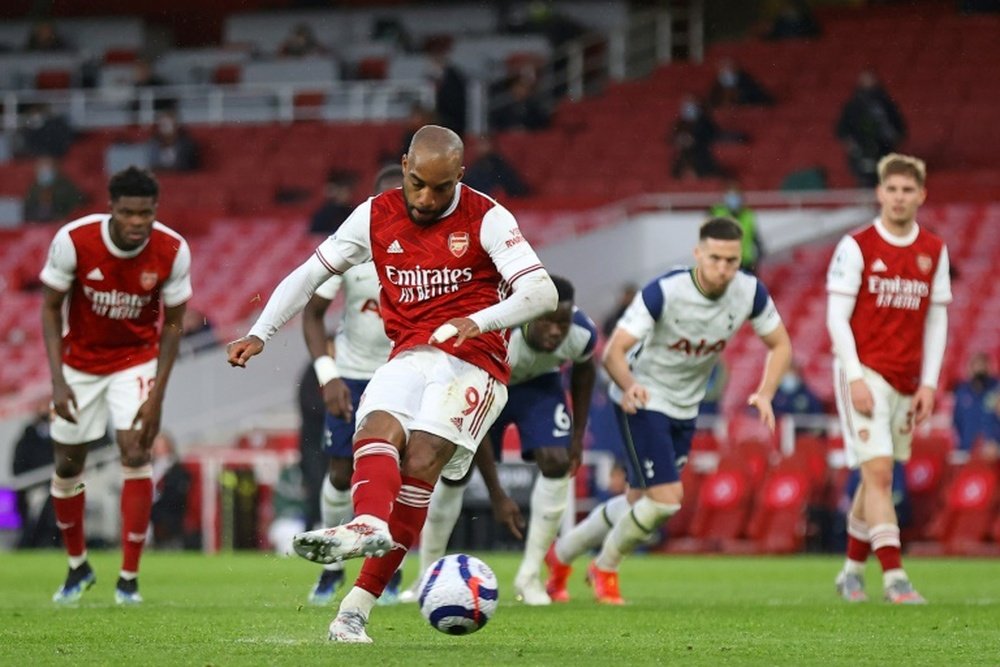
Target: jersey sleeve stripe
pixel 325 263
pixel 842 292
pixel 652 296
pixel 524 272
pixel 760 298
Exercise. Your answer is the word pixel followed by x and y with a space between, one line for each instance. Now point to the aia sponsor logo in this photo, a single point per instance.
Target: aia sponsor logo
pixel 701 348
pixel 458 243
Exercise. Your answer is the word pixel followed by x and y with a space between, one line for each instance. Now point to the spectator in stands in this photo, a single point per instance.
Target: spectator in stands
pixel 794 20
pixel 144 76
pixel 733 205
pixel 491 173
pixel 449 84
pixel 337 204
pixel 625 297
pixel 171 147
pixel 794 397
pixel 53 196
pixel 520 108
pixel 32 451
pixel 45 37
pixel 870 126
pixel 976 402
pixel 541 18
pixel 43 132
pixel 736 87
pixel 301 41
pixel 171 483
pixel 692 137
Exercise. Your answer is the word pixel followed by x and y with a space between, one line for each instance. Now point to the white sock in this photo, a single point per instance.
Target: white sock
pixel 77 561
pixel 548 503
pixel 589 533
pixel 358 599
pixel 442 515
pixel 632 529
pixel 128 576
pixel 335 505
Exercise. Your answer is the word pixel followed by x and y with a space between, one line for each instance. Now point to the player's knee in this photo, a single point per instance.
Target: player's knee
pixel 425 457
pixel 666 494
pixel 68 468
pixel 553 462
pixel 340 473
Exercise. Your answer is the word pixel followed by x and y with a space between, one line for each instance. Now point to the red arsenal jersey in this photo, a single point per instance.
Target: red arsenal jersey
pixel 462 263
pixel 894 282
pixel 115 296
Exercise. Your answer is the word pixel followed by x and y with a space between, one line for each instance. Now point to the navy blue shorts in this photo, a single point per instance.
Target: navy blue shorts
pixel 661 446
pixel 339 433
pixel 538 409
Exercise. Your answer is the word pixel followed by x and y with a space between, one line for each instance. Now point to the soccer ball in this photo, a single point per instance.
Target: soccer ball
pixel 458 594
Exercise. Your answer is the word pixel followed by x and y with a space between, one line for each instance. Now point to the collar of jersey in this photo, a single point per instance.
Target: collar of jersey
pixel 892 239
pixel 110 245
pixel 697 286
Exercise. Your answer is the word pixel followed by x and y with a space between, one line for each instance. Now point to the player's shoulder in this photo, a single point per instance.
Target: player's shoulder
pixel 929 238
pixel 477 204
pixel 672 278
pixel 160 229
pixel 87 224
pixel 582 321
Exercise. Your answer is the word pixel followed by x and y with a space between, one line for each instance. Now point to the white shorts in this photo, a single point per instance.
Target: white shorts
pixel 427 389
pixel 888 432
pixel 120 394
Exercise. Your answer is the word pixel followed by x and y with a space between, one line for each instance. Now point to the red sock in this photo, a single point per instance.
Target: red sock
pixel 376 479
pixel 887 547
pixel 136 503
pixel 405 524
pixel 68 501
pixel 891 558
pixel 858 550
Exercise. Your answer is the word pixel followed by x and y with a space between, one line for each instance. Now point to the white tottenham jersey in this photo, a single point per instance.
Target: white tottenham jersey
pixel 682 333
pixel 361 343
pixel 527 363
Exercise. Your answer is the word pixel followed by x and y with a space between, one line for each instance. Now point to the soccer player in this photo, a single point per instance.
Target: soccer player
pixel 674 331
pixel 536 404
pixel 888 287
pixel 361 347
pixel 121 271
pixel 455 273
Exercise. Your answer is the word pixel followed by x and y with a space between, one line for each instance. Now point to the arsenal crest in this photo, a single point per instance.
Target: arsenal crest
pixel 925 263
pixel 147 279
pixel 458 243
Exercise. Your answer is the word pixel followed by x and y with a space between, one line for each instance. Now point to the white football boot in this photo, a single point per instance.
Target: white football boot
pixel 363 536
pixel 349 627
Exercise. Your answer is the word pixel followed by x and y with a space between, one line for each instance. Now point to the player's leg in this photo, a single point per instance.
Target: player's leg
pixel 660 446
pixel 583 537
pixel 458 405
pixel 127 390
pixel 70 442
pixel 335 506
pixel 896 582
pixel 850 582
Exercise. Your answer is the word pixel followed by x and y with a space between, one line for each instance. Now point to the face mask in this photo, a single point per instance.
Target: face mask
pixel 789 383
pixel 981 376
pixel 46 175
pixel 166 126
pixel 733 201
pixel 727 78
pixel 689 111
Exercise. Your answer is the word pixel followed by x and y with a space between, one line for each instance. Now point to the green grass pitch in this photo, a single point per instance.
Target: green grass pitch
pixel 249 609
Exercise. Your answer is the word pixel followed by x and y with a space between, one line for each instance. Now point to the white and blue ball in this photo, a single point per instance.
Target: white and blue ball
pixel 458 594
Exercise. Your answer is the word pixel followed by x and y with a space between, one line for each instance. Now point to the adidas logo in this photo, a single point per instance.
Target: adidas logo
pixel 395 248
pixel 457 421
pixel 878 266
pixel 95 274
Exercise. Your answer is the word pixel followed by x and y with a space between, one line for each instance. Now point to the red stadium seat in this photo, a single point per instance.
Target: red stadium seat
pixel 964 524
pixel 778 523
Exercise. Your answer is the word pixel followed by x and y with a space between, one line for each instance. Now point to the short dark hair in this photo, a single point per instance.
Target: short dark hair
pixel 564 289
pixel 133 182
pixel 386 173
pixel 722 228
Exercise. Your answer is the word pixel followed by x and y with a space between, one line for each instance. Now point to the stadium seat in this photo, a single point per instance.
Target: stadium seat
pixel 722 508
pixel 926 476
pixel 778 522
pixel 963 525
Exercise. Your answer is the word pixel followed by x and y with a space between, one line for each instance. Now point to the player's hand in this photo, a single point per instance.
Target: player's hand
pixel 861 398
pixel 635 398
pixel 64 402
pixel 459 328
pixel 763 405
pixel 147 421
pixel 575 453
pixel 241 349
pixel 507 512
pixel 922 405
pixel 337 397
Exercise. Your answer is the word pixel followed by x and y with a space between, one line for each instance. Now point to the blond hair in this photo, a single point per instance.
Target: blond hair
pixel 906 165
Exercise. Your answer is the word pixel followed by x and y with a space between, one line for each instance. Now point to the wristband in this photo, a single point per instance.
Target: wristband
pixel 326 369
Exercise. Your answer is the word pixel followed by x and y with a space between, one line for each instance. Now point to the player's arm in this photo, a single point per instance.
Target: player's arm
pixel 349 246
pixel 505 510
pixel 935 341
pixel 636 322
pixel 336 394
pixel 581 387
pixel 63 399
pixel 57 277
pixel 148 416
pixel 779 360
pixel 533 292
pixel 843 280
